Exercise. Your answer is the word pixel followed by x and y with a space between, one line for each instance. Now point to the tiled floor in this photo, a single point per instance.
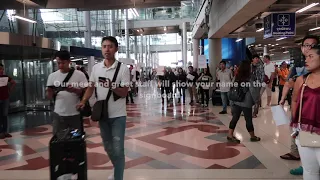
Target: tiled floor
pixel 162 142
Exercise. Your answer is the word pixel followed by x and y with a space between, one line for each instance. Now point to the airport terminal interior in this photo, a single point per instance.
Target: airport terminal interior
pixel 173 139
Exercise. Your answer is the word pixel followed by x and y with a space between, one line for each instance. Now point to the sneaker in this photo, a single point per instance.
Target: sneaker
pixel 223 112
pixel 7 135
pixel 111 177
pixel 297 172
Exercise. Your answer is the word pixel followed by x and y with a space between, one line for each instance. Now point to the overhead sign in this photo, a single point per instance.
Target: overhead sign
pixel 280 24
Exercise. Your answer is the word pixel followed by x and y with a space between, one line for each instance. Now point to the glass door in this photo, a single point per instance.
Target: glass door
pixel 36 73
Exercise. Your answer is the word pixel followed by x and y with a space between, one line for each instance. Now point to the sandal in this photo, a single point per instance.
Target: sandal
pixel 255 139
pixel 289 156
pixel 233 139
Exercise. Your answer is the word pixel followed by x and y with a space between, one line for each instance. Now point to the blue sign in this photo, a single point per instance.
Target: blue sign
pixel 267 21
pixel 280 24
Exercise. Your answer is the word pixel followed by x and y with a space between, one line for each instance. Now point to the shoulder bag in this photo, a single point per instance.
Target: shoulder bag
pixel 307 139
pixel 58 89
pixel 100 108
pixel 238 93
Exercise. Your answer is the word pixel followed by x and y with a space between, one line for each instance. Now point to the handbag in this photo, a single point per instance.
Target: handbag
pixel 307 139
pixel 238 93
pixel 100 108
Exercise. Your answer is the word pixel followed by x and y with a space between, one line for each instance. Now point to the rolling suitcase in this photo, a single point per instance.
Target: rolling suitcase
pixel 68 155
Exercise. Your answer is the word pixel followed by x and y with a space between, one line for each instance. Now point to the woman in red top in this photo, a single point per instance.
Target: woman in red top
pixel 310 121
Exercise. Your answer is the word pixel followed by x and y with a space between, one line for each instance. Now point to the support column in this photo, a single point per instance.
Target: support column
pixel 196 52
pixel 141 49
pixel 215 55
pixel 184 45
pixel 87 39
pixel 24 26
pixel 112 21
pixel 126 32
pixel 87 33
pixel 265 50
pixel 135 48
pixel 149 52
pixel 146 52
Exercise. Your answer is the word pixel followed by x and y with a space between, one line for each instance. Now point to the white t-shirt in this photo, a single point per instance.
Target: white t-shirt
pixel 134 75
pixel 225 78
pixel 115 108
pixel 269 69
pixel 66 102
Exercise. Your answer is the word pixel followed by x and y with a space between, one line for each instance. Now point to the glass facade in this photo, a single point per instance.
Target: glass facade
pixel 30 68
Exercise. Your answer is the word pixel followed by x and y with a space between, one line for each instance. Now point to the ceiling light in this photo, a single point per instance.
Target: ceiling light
pixel 271 54
pixel 265 45
pixel 313 29
pixel 134 12
pixel 239 39
pixel 279 39
pixel 277 44
pixel 259 30
pixel 307 7
pixel 269 44
pixel 24 18
pixel 273 45
pixel 56 22
pixel 286 52
pixel 259 45
pixel 141 34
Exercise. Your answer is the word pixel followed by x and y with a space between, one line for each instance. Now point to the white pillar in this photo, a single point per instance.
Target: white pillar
pixel 135 48
pixel 141 49
pixel 265 50
pixel 112 21
pixel 184 44
pixel 146 51
pixel 215 55
pixel 196 52
pixel 126 29
pixel 87 33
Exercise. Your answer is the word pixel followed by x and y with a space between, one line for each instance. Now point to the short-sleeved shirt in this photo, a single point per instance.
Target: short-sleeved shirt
pixel 225 78
pixel 115 108
pixel 297 71
pixel 4 90
pixel 269 69
pixel 66 102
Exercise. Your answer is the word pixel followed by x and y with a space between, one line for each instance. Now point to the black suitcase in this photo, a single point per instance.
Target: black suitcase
pixel 68 155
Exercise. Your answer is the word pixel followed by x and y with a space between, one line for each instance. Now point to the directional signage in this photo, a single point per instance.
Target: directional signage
pixel 267 21
pixel 280 24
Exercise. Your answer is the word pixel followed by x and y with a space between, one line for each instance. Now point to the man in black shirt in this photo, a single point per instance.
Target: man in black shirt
pixel 192 77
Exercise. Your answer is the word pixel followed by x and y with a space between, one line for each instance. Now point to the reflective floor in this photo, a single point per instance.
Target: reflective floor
pixel 162 142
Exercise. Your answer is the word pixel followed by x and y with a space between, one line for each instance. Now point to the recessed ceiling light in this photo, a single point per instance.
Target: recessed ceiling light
pixel 269 44
pixel 277 44
pixel 272 45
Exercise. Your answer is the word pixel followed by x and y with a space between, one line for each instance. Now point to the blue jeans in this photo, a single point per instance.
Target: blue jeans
pixel 224 99
pixel 112 134
pixel 4 107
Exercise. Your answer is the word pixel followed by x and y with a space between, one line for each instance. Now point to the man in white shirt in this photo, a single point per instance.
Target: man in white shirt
pixel 65 95
pixel 269 71
pixel 112 128
pixel 225 76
